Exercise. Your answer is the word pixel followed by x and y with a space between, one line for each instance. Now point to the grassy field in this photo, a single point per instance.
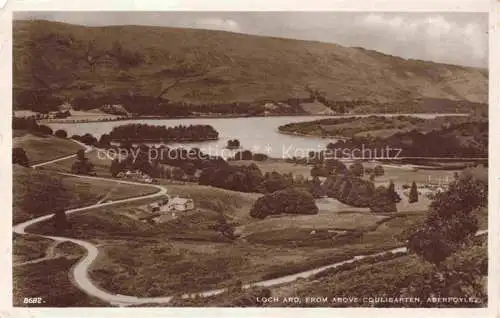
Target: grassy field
pixel 49 280
pixel 154 267
pixel 321 221
pixel 405 176
pixel 45 148
pixel 81 115
pixel 277 165
pixel 186 254
pixel 101 164
pixel 80 192
pixel 27 248
pixel 393 278
pixel 359 283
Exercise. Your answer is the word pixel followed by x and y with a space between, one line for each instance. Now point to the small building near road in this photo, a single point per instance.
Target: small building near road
pixel 178 204
pixel 154 207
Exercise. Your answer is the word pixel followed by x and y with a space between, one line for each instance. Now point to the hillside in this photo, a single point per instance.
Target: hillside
pixel 156 68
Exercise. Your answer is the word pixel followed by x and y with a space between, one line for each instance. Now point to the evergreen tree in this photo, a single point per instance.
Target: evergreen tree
pixel 115 167
pixel 105 141
pixel 378 170
pixel 82 165
pixel 60 221
pixel 80 155
pixel 413 193
pixel 315 188
pixel 393 194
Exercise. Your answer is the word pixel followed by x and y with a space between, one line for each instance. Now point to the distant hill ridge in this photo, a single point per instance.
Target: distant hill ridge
pixel 193 66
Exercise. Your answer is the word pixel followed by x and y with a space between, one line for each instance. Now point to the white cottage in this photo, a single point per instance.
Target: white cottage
pixel 178 204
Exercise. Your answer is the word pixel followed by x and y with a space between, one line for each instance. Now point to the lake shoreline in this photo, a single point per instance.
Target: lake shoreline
pixel 258 134
pixel 78 121
pixel 290 133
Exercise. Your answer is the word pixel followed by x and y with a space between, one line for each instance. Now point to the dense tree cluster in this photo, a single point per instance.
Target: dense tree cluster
pixel 40 100
pixel 457 140
pixel 141 105
pixel 237 178
pixel 382 201
pixel 144 132
pixel 328 167
pixel 350 190
pixel 287 201
pixel 154 161
pixel 248 155
pixel 30 124
pixel 452 220
pixel 87 139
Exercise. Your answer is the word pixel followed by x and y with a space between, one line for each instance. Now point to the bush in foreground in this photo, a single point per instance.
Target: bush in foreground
pixel 19 156
pixel 452 219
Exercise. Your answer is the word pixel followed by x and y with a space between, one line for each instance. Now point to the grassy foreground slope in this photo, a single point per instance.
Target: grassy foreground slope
pixel 41 148
pixel 49 281
pixel 36 193
pixel 70 61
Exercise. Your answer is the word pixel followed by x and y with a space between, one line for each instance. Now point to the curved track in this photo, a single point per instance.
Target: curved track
pixel 81 270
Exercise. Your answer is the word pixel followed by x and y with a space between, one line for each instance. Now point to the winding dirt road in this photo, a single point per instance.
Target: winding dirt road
pixel 80 271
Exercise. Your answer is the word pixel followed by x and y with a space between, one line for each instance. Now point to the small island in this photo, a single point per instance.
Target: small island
pixel 152 133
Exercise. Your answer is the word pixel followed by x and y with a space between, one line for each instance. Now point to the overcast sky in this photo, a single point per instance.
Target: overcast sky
pixel 456 38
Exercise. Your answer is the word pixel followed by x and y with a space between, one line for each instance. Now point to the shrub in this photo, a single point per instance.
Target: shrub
pixel 82 165
pixel 357 169
pixel 243 155
pixel 319 170
pixel 378 170
pixel 88 139
pixel 43 129
pixel 259 157
pixel 105 141
pixel 61 133
pixel 335 166
pixel 19 157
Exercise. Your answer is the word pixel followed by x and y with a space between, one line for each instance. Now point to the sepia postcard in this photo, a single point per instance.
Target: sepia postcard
pixel 263 159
